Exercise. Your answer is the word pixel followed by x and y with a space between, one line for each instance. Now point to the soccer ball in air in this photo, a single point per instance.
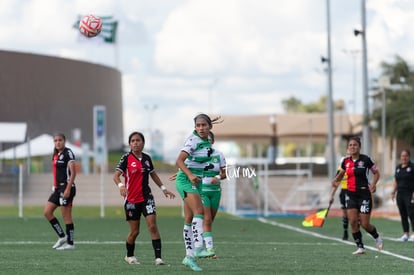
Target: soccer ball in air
pixel 90 25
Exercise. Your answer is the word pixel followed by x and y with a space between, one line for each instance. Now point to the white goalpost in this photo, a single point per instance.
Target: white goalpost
pixel 252 189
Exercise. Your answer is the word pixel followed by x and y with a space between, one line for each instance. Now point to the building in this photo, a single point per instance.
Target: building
pixel 54 94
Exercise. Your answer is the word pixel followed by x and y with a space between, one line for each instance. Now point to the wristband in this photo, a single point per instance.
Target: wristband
pixel 120 185
pixel 163 187
pixel 218 177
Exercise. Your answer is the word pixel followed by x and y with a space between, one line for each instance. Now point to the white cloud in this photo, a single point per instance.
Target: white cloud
pixel 259 52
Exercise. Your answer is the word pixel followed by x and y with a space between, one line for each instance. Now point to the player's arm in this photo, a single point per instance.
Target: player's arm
pixel 394 189
pixel 220 176
pixel 72 169
pixel 180 163
pixel 117 180
pixel 374 181
pixel 335 183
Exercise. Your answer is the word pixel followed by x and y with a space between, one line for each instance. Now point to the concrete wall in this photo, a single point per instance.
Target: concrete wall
pixel 57 95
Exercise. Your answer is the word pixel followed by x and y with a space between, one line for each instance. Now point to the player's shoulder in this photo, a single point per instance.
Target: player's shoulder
pixel 145 156
pixel 67 151
pixel 125 156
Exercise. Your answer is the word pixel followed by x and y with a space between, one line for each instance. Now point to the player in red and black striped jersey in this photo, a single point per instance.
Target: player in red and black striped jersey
pixel 359 199
pixel 63 192
pixel 136 167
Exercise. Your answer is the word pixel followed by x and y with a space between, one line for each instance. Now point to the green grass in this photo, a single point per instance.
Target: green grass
pixel 244 246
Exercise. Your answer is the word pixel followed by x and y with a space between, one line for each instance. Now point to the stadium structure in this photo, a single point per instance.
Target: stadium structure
pixel 54 94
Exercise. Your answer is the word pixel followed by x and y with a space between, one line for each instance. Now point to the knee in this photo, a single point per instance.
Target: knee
pixel 208 221
pixel 134 233
pixel 48 214
pixel 152 228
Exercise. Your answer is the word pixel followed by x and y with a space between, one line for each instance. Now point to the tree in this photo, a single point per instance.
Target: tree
pixel 294 105
pixel 399 115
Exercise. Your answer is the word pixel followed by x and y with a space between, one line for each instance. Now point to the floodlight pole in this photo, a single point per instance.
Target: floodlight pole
pixel 365 130
pixel 331 157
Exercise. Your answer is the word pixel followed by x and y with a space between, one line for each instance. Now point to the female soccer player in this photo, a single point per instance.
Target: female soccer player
pixel 211 193
pixel 136 167
pixel 191 161
pixel 63 192
pixel 359 203
pixel 403 186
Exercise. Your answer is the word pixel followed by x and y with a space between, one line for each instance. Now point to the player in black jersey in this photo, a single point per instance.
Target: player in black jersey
pixel 63 192
pixel 359 195
pixel 403 186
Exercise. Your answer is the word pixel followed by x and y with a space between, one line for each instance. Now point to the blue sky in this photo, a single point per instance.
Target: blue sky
pixel 226 57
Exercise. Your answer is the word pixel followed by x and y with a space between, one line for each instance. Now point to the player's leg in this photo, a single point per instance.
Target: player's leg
pixel 365 220
pixel 133 215
pixel 187 192
pixel 210 212
pixel 345 222
pixel 66 209
pixel 151 220
pixel 402 208
pixel 352 206
pixel 48 212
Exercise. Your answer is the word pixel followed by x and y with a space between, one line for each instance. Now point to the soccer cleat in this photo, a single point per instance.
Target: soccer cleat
pixel 404 238
pixel 66 247
pixel 411 237
pixel 131 260
pixel 191 263
pixel 359 251
pixel 211 250
pixel 159 261
pixel 59 242
pixel 379 243
pixel 202 253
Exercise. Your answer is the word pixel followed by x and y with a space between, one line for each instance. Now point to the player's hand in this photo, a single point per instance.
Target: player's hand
pixel 194 179
pixel 372 188
pixel 173 177
pixel 123 191
pixel 168 194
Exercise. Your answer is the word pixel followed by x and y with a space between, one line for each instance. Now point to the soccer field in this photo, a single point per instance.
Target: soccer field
pixel 243 245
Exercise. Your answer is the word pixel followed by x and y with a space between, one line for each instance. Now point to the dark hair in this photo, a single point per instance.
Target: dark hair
pixel 407 151
pixel 210 121
pixel 55 151
pixel 357 139
pixel 212 137
pixel 136 133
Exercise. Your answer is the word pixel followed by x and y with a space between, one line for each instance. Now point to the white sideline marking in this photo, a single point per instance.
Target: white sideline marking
pixel 164 242
pixel 333 239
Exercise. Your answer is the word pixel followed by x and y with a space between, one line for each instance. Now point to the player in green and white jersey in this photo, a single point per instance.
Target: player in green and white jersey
pixel 191 161
pixel 214 172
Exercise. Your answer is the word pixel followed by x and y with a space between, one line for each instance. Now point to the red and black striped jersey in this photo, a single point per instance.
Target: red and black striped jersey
pixel 357 171
pixel 60 165
pixel 136 173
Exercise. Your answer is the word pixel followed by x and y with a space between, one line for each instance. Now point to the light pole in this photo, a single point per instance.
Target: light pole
pixel 365 129
pixel 274 142
pixel 329 103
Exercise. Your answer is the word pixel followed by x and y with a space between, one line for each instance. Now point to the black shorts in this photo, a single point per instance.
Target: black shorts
pixel 133 211
pixel 342 198
pixel 57 197
pixel 361 200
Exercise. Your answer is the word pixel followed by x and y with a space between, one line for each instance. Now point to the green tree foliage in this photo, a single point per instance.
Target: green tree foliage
pixel 294 105
pixel 399 102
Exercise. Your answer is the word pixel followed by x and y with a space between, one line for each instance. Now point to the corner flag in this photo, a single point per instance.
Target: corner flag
pixel 316 219
pixel 109 28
